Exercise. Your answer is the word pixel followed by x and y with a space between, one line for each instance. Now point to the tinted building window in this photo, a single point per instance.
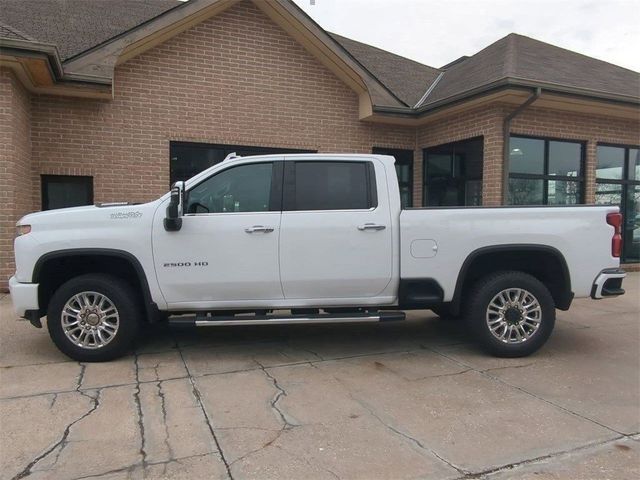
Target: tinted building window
pixel 332 186
pixel 62 191
pixel 404 171
pixel 189 159
pixel 453 174
pixel 618 183
pixel 545 172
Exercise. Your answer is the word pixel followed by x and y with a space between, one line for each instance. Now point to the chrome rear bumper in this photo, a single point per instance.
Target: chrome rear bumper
pixel 608 283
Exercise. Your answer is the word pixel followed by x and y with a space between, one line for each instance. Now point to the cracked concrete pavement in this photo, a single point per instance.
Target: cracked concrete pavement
pixel 405 400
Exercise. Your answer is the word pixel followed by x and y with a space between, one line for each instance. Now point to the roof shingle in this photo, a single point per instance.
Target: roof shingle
pixel 407 79
pixel 75 26
pixel 523 58
pixel 78 25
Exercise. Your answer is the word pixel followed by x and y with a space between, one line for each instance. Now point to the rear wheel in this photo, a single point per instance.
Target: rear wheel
pixel 511 314
pixel 93 318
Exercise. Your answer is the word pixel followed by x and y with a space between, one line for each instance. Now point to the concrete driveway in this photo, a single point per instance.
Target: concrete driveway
pixel 405 400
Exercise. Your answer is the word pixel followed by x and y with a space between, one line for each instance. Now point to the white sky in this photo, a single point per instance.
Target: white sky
pixel 436 32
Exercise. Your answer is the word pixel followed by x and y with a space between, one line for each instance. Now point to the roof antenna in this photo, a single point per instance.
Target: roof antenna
pixel 231 156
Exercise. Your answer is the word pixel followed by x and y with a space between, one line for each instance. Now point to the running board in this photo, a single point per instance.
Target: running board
pixel 356 317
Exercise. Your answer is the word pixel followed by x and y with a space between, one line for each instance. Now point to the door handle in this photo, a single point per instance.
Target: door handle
pixel 258 228
pixel 371 226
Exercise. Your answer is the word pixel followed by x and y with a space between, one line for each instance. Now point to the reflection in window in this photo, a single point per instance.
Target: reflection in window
pixel 545 172
pixel 618 183
pixel 610 162
pixel 453 173
pixel 526 155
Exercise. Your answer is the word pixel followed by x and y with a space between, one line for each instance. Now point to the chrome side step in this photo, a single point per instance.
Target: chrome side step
pixel 322 318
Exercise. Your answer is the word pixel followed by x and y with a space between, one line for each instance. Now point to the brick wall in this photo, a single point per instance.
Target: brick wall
pixel 15 166
pixel 236 78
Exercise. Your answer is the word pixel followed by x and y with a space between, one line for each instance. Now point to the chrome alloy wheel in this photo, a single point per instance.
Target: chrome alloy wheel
pixel 90 320
pixel 514 315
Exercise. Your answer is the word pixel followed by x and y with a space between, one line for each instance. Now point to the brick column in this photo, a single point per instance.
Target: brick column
pixel 590 172
pixel 15 166
pixel 417 177
pixel 492 166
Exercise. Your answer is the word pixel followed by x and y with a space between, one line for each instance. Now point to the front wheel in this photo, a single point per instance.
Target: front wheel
pixel 511 314
pixel 93 318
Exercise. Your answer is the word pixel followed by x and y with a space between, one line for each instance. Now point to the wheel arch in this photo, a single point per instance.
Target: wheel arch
pixel 544 262
pixel 78 261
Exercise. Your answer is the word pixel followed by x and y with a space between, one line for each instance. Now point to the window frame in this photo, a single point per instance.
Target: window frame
pixel 625 183
pixel 275 195
pixel 545 176
pixel 227 149
pixel 460 180
pixel 77 179
pixel 410 163
pixel 289 186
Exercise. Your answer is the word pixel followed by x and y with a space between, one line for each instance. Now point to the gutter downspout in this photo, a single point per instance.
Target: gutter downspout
pixel 506 130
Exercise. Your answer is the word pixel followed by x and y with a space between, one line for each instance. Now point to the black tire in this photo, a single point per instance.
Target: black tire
pixel 444 311
pixel 484 291
pixel 119 293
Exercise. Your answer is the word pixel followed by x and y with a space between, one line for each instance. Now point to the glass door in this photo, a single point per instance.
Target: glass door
pixel 618 183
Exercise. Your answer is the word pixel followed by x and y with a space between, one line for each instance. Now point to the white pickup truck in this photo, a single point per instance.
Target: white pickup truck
pixel 307 239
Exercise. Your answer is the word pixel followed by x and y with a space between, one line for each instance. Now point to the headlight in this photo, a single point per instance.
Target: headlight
pixel 22 229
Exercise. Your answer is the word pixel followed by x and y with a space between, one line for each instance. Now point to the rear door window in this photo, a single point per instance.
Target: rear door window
pixel 329 186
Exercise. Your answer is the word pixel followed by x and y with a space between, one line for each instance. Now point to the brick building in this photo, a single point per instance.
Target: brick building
pixel 114 99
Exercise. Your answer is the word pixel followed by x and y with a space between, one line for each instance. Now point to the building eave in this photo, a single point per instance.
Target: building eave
pixel 39 68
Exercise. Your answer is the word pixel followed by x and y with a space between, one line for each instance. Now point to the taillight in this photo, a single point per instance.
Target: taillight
pixel 615 220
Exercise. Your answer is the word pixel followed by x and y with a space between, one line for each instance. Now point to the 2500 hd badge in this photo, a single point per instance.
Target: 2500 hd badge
pixel 186 264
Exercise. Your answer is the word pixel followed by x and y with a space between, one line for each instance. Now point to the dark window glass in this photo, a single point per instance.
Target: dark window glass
pixel 610 162
pixel 565 159
pixel 618 183
pixel 62 191
pixel 245 188
pixel 188 159
pixel 526 155
pixel 331 186
pixel 442 165
pixel 453 173
pixel 545 172
pixel 404 171
pixel 526 191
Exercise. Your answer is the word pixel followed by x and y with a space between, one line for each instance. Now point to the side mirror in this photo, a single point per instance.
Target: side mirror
pixel 172 220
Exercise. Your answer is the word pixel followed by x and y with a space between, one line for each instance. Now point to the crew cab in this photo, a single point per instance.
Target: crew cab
pixel 307 238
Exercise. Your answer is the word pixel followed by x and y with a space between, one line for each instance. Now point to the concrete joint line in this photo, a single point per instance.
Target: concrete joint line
pixel 198 397
pixel 529 461
pixel 520 389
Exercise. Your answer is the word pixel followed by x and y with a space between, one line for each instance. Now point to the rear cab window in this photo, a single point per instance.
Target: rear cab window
pixel 329 185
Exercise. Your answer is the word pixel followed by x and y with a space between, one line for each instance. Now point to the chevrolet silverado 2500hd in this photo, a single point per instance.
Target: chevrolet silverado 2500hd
pixel 322 238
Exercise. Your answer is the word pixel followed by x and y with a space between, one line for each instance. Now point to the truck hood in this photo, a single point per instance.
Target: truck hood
pixel 90 214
